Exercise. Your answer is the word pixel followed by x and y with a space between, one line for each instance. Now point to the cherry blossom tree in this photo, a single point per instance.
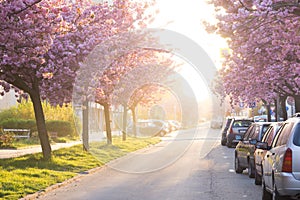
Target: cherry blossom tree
pixel 42 44
pixel 262 62
pixel 144 84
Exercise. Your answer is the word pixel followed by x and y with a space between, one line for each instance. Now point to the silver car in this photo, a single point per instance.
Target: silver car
pixel 281 164
pixel 261 149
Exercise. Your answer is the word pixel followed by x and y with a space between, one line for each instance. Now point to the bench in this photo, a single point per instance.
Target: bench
pixel 25 133
pixel 53 134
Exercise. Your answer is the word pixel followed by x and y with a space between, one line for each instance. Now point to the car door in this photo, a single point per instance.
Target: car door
pixel 274 156
pixel 260 153
pixel 243 146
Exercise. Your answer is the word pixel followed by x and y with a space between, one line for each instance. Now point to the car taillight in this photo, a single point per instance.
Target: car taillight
pixel 287 161
pixel 231 130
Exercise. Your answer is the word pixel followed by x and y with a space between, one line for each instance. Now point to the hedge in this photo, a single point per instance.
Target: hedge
pixel 19 124
pixel 63 128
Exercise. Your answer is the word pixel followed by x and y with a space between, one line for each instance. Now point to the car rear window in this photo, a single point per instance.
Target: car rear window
pixel 242 123
pixel 296 139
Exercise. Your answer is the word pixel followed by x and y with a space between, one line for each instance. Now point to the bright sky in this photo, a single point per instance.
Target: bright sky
pixel 186 17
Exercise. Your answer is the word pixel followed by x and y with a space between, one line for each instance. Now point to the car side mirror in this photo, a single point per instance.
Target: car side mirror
pixel 253 141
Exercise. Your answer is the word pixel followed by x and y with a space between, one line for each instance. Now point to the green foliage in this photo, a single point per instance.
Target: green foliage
pixel 58 119
pixel 8 113
pixel 19 124
pixel 63 128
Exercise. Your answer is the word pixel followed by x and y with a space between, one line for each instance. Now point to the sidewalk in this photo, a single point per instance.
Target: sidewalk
pixel 12 153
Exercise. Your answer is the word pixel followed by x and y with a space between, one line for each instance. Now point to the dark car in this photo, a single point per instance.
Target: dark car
pixel 244 151
pixel 224 130
pixel 261 150
pixel 236 130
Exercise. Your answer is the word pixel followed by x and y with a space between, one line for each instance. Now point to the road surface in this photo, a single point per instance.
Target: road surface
pixel 189 165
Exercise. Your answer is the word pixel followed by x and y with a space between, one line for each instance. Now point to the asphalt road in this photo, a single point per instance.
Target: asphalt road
pixel 189 165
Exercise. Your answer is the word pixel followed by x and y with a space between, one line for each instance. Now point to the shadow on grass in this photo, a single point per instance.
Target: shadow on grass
pixel 66 159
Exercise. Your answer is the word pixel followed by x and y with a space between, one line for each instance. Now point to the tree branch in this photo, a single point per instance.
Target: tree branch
pixel 25 8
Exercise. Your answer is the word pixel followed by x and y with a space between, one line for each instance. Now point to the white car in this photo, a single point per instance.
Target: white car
pixel 281 164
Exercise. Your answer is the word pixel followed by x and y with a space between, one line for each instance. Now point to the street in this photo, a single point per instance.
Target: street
pixel 189 165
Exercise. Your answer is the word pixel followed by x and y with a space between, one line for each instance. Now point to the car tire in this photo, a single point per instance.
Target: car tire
pixel 237 166
pixel 275 195
pixel 251 169
pixel 257 180
pixel 223 142
pixel 228 144
pixel 265 194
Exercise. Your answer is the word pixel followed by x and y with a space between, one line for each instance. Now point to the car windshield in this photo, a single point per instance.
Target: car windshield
pixel 242 123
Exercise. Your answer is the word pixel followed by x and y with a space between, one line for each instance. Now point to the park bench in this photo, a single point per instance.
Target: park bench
pixel 19 133
pixel 53 134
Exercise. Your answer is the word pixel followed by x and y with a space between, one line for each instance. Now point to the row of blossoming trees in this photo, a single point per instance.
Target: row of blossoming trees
pixel 263 60
pixel 45 47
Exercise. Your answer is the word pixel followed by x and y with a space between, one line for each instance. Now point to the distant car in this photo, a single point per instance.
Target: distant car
pixel 261 149
pixel 148 128
pixel 175 125
pixel 281 165
pixel 216 122
pixel 236 130
pixel 225 127
pixel 260 118
pixel 244 151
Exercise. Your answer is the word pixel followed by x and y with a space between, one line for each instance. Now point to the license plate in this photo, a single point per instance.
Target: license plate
pixel 242 131
pixel 238 137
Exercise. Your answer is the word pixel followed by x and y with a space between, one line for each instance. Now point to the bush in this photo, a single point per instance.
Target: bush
pixel 63 128
pixel 19 124
pixel 6 139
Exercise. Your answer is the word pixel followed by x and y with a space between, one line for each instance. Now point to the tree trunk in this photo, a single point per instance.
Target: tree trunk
pixel 297 104
pixel 124 123
pixel 276 110
pixel 40 122
pixel 282 101
pixel 107 124
pixel 133 122
pixel 85 125
pixel 268 107
pixel 269 112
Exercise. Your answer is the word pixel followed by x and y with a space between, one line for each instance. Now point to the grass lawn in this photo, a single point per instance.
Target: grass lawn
pixel 29 174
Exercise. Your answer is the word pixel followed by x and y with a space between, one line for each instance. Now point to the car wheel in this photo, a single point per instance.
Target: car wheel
pixel 257 177
pixel 251 169
pixel 237 166
pixel 265 194
pixel 223 142
pixel 162 133
pixel 228 144
pixel 275 195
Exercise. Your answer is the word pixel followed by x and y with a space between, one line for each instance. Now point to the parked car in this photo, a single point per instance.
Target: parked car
pixel 260 152
pixel 148 128
pixel 281 166
pixel 260 118
pixel 225 127
pixel 236 130
pixel 244 151
pixel 175 125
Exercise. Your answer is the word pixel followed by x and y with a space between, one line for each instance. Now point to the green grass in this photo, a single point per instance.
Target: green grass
pixel 29 174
